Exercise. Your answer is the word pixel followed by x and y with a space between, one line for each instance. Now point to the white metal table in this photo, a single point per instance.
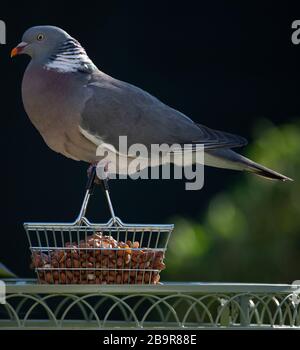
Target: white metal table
pixel 166 306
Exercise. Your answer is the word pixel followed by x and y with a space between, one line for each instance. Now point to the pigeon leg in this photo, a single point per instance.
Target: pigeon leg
pixel 102 169
pixel 90 171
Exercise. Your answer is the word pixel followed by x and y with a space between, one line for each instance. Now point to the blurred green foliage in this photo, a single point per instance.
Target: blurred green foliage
pixel 250 232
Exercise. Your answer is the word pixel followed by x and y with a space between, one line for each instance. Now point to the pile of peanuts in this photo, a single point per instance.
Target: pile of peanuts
pixel 112 263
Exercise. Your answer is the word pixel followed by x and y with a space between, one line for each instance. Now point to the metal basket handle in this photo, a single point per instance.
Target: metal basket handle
pixel 89 191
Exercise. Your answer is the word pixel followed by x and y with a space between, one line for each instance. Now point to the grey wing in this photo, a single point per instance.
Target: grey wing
pixel 118 109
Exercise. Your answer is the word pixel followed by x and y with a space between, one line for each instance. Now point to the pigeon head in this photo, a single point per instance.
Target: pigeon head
pixel 54 49
pixel 41 41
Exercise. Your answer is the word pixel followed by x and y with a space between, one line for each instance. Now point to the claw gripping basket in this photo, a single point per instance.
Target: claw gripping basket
pixel 87 253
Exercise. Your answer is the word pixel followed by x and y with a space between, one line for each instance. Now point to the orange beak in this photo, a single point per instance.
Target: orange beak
pixel 18 49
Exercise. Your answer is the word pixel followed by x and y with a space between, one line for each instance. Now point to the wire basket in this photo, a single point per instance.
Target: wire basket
pixel 87 253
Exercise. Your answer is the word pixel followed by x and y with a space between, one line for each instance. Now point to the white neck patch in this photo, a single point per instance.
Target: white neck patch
pixel 70 57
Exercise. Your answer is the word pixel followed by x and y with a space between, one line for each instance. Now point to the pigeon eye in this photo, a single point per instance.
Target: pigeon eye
pixel 40 37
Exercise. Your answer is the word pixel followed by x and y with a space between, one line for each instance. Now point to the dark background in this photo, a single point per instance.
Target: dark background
pixel 223 64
